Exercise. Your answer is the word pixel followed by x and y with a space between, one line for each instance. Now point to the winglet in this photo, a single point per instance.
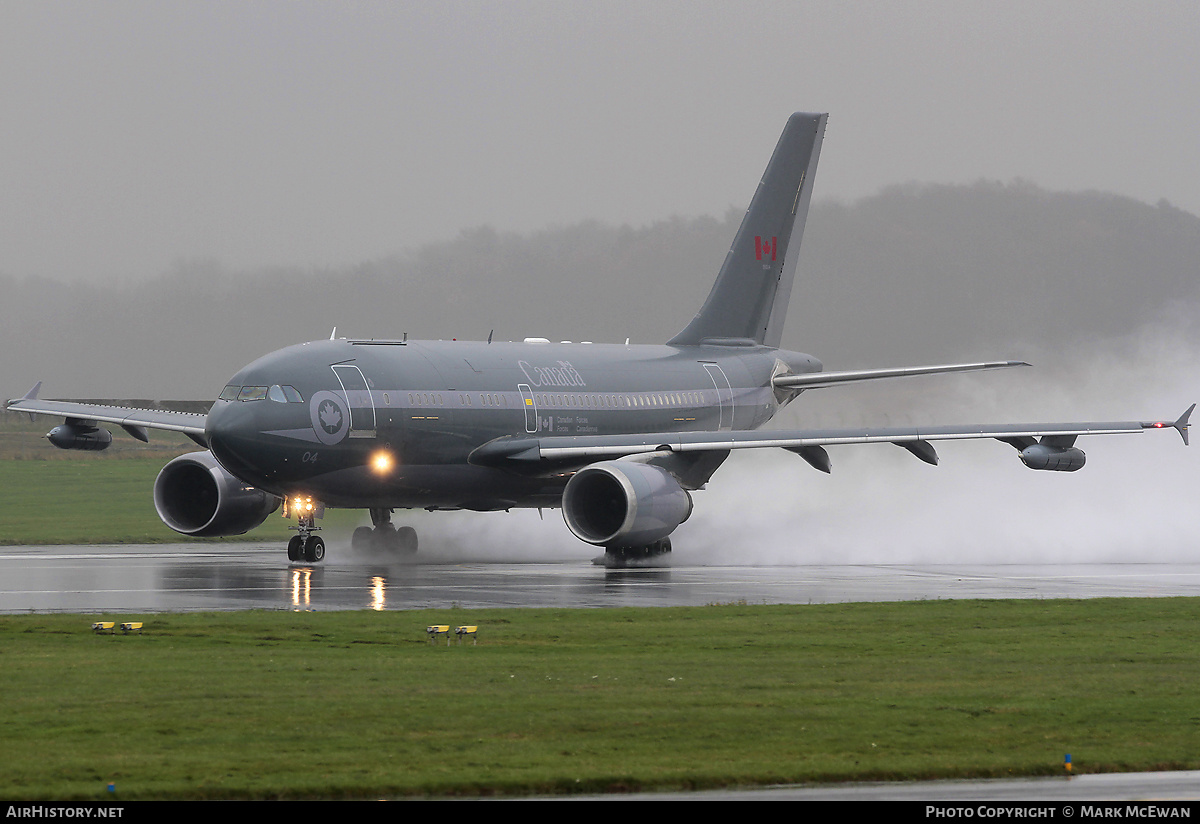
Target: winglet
pixel 31 395
pixel 1181 425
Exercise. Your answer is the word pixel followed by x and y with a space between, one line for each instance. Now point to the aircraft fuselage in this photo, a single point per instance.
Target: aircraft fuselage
pixel 394 423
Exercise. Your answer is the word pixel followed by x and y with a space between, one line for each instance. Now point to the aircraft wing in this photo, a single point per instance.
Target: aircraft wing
pixel 133 420
pixel 523 451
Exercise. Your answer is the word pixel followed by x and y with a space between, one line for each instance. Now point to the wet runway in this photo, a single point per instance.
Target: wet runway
pixel 185 577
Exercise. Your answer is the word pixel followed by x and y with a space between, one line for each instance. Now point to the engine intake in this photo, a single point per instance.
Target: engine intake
pixel 624 504
pixel 195 496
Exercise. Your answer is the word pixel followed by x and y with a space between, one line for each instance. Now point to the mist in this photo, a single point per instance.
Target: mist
pixel 1134 501
pixel 292 133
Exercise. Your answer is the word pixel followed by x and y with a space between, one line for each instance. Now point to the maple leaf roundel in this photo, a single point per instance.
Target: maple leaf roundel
pixel 330 418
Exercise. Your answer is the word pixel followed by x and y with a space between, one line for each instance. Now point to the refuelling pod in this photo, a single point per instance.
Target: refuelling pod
pixel 1056 458
pixel 195 496
pixel 624 504
pixel 76 434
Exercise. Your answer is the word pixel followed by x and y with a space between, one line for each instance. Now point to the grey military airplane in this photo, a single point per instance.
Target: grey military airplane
pixel 617 436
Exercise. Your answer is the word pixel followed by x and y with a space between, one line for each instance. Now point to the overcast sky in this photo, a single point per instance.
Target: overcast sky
pixel 138 134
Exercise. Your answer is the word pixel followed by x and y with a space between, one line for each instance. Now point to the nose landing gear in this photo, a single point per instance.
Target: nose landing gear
pixel 304 545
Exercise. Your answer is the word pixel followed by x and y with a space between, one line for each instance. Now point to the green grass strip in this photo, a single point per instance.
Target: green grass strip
pixel 360 705
pixel 93 499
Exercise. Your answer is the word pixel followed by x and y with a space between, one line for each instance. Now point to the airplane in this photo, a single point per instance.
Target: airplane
pixel 617 436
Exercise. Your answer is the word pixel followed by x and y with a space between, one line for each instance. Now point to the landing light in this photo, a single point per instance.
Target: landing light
pixel 382 462
pixel 299 506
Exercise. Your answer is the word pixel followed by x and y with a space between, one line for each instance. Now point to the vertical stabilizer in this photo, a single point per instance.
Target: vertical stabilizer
pixel 750 297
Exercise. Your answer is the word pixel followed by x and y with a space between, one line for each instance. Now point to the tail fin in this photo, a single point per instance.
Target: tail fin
pixel 750 298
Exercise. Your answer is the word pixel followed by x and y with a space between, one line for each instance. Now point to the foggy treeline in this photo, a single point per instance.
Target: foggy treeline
pixel 916 274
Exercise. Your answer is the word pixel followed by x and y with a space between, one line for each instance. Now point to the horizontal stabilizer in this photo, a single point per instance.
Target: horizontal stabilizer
pixel 816 380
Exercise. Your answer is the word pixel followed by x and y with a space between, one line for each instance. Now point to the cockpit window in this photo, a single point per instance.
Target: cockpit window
pixel 277 393
pixel 284 394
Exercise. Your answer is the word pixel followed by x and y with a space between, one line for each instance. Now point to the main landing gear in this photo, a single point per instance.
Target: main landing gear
pixel 385 537
pixel 623 557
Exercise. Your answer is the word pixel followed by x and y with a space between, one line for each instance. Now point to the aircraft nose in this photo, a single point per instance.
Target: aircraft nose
pixel 227 430
pixel 219 421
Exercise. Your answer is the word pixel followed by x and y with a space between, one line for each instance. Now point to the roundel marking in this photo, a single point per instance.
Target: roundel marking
pixel 330 417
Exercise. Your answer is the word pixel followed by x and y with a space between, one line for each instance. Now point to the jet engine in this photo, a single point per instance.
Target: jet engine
pixel 1056 458
pixel 79 435
pixel 195 496
pixel 624 504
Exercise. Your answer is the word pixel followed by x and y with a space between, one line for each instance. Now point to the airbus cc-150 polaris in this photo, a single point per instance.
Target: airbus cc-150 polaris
pixel 618 436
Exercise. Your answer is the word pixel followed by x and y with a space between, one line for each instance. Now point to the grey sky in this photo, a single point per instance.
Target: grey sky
pixel 137 134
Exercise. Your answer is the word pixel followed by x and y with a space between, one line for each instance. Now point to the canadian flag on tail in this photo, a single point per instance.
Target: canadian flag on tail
pixel 764 247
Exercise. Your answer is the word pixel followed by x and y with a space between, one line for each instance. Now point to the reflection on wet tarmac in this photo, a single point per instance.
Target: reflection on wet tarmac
pixel 182 577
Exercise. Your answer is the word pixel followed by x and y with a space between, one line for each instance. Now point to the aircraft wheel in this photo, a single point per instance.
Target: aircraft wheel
pixel 314 549
pixel 361 540
pixel 406 540
pixel 383 537
pixel 621 557
pixel 296 548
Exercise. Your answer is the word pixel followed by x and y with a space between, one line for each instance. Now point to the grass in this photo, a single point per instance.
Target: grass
pixel 55 496
pixel 360 705
pixel 93 499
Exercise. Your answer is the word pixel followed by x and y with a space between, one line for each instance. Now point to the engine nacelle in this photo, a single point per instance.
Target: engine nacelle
pixel 74 435
pixel 1056 458
pixel 195 496
pixel 621 503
